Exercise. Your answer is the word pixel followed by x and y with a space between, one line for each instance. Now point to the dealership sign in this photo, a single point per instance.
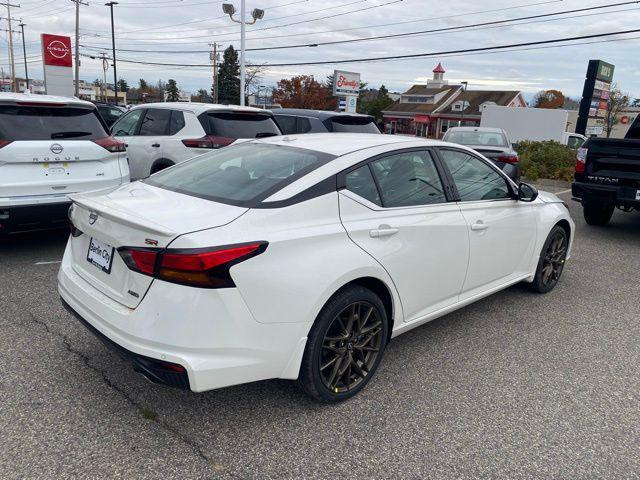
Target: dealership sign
pixel 57 60
pixel 595 97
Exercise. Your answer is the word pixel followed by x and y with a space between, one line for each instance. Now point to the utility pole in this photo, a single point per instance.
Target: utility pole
pixel 11 54
pixel 113 46
pixel 105 67
pixel 214 61
pixel 24 53
pixel 77 62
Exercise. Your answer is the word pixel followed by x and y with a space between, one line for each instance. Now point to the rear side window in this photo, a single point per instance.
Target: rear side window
pixel 155 122
pixel 408 179
pixel 239 125
pixel 240 174
pixel 177 122
pixel 49 123
pixel 352 125
pixel 360 182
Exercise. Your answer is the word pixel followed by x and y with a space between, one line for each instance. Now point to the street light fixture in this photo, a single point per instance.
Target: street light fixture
pixel 256 14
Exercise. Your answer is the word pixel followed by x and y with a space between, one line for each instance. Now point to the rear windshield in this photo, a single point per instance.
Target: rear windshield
pixel 490 139
pixel 353 125
pixel 239 125
pixel 240 175
pixel 49 123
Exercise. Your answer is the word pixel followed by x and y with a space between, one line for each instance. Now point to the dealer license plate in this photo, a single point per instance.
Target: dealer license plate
pixel 100 254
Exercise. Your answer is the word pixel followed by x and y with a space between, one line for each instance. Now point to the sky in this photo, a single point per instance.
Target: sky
pixel 165 29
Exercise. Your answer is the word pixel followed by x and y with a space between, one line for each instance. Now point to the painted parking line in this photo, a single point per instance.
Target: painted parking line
pixel 563 191
pixel 51 262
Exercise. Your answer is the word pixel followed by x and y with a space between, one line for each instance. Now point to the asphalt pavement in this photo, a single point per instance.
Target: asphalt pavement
pixel 516 386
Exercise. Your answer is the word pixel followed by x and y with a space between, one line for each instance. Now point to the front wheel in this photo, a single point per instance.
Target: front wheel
pixel 597 213
pixel 552 260
pixel 345 345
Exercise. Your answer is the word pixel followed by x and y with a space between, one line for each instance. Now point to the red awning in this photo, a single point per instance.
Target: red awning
pixel 421 119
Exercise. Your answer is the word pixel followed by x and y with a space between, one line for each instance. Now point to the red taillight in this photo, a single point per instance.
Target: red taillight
pixel 4 143
pixel 206 268
pixel 208 141
pixel 512 159
pixel 581 160
pixel 140 259
pixel 111 144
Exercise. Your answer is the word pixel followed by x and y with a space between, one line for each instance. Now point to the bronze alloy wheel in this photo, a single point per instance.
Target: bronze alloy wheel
pixel 351 346
pixel 554 258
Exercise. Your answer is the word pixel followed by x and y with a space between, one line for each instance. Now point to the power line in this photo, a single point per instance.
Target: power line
pixel 407 56
pixel 475 26
pixel 368 27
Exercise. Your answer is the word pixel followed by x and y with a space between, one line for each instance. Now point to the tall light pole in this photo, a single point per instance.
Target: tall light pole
pixel 77 52
pixel 464 94
pixel 256 14
pixel 24 53
pixel 113 47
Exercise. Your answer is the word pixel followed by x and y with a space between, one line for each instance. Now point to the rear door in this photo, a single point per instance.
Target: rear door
pixel 47 149
pixel 502 231
pixel 125 130
pixel 395 208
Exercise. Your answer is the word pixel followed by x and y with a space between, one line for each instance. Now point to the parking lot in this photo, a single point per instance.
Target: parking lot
pixel 518 385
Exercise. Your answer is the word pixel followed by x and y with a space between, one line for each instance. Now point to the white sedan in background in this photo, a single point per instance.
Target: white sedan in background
pixel 300 257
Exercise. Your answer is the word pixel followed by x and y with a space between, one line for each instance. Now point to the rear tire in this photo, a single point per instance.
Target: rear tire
pixel 160 166
pixel 345 345
pixel 597 213
pixel 552 260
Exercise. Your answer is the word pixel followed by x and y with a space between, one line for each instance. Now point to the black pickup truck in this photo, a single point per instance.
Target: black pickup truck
pixel 608 176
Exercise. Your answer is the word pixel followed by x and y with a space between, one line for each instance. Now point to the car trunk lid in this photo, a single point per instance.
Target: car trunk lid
pixel 134 215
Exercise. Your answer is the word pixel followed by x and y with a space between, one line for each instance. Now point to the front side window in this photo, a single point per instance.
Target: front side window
pixel 240 174
pixel 126 125
pixel 474 179
pixel 155 122
pixel 408 179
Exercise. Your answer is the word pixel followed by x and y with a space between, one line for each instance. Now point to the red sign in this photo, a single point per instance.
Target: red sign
pixel 57 50
pixel 624 120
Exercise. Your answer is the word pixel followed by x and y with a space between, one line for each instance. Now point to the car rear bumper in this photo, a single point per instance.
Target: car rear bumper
pixel 211 333
pixel 624 196
pixel 15 219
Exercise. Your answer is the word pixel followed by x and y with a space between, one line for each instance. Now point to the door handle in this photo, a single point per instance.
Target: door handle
pixel 479 225
pixel 156 145
pixel 383 232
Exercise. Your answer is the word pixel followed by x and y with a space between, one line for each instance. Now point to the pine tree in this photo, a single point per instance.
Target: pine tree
pixel 173 94
pixel 229 78
pixel 123 86
pixel 142 84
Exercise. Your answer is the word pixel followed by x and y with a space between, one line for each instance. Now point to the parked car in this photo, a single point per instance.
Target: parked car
pixel 607 176
pixel 493 143
pixel 110 113
pixel 158 135
pixel 294 120
pixel 51 147
pixel 300 257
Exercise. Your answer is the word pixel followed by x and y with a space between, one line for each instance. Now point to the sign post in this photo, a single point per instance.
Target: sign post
pixel 346 85
pixel 595 96
pixel 57 60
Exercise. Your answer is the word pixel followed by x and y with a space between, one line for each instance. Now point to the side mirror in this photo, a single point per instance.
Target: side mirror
pixel 527 193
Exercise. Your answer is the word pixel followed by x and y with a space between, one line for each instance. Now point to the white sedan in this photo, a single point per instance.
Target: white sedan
pixel 300 257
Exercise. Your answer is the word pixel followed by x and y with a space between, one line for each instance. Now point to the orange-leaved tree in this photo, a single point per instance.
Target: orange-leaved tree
pixel 548 99
pixel 303 91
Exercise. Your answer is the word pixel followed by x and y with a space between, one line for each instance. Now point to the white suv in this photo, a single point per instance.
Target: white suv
pixel 158 135
pixel 51 147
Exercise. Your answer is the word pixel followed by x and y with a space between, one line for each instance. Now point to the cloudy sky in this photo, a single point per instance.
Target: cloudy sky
pixel 180 31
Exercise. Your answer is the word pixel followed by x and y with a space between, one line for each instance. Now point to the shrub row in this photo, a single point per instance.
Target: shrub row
pixel 547 159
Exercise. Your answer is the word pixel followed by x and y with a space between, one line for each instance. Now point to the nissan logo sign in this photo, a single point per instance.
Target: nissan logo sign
pixel 58 49
pixel 56 148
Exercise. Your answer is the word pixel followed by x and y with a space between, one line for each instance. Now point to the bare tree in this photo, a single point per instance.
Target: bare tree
pixel 253 77
pixel 618 102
